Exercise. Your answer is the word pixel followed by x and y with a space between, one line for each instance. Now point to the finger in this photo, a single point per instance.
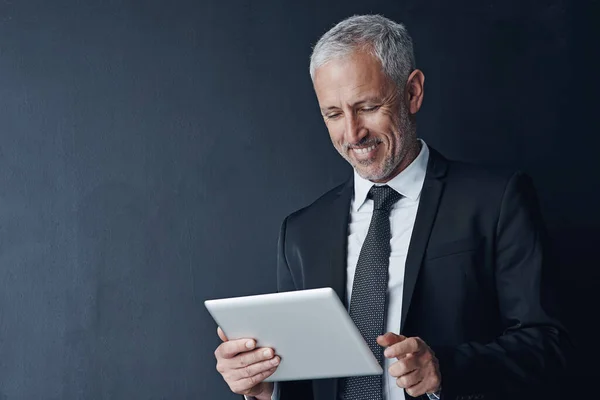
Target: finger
pixel 420 389
pixel 389 339
pixel 221 334
pixel 255 369
pixel 409 380
pixel 253 357
pixel 232 348
pixel 403 366
pixel 243 386
pixel 401 349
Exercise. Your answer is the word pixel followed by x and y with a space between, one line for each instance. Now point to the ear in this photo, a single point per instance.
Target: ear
pixel 414 91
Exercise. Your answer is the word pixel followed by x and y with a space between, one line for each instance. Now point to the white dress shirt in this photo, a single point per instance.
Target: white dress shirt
pixel 408 183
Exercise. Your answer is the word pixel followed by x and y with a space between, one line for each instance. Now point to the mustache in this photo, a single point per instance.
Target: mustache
pixel 364 142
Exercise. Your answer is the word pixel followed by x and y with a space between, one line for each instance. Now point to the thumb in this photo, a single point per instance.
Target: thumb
pixel 221 334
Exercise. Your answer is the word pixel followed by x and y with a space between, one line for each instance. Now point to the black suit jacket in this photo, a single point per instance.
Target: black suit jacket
pixel 475 287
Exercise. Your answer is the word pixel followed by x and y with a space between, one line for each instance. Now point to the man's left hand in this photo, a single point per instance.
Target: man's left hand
pixel 417 369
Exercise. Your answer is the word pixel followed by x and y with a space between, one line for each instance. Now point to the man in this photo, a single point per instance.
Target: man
pixel 439 262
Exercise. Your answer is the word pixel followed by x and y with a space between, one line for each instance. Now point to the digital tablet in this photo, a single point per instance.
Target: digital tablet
pixel 309 329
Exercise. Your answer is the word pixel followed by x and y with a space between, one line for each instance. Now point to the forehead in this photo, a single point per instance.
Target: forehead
pixel 350 78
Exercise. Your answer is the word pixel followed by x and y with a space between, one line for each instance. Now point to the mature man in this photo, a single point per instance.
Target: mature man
pixel 439 262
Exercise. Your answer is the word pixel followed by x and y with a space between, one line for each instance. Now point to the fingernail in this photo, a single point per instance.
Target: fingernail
pixel 250 344
pixel 275 361
pixel 267 353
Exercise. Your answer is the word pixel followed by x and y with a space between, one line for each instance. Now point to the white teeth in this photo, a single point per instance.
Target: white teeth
pixel 365 150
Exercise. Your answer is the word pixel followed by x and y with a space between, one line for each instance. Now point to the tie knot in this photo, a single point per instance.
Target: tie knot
pixel 384 197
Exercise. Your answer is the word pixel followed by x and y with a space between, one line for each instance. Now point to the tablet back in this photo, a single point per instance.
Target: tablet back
pixel 309 329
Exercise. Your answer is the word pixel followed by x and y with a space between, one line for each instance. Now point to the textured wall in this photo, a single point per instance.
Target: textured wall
pixel 149 151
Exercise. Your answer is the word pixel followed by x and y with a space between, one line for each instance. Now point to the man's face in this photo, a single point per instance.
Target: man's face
pixel 366 116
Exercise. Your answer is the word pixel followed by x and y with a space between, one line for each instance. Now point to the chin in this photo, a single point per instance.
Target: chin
pixel 371 175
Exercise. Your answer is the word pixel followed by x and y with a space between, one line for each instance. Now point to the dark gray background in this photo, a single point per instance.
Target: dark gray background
pixel 149 151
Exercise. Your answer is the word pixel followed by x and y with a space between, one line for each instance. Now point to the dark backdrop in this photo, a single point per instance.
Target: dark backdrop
pixel 150 150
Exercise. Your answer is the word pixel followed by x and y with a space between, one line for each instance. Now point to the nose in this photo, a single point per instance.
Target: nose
pixel 354 129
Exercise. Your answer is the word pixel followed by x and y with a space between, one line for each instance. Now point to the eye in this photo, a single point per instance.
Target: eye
pixel 369 109
pixel 333 116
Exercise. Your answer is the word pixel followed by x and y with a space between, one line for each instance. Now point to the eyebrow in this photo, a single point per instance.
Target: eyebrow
pixel 366 100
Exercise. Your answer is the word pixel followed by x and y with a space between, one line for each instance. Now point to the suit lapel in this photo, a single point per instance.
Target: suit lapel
pixel 340 215
pixel 428 206
pixel 329 245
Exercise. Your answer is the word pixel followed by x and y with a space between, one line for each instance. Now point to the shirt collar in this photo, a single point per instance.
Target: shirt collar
pixel 408 183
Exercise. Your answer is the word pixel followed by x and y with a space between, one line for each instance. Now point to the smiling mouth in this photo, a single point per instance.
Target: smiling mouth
pixel 364 150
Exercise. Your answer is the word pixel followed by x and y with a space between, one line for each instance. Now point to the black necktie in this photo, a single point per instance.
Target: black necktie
pixel 369 293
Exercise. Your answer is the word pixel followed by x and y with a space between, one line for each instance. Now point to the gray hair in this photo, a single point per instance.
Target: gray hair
pixel 385 39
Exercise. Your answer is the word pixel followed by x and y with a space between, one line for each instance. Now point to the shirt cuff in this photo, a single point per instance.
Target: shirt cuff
pixel 435 395
pixel 274 396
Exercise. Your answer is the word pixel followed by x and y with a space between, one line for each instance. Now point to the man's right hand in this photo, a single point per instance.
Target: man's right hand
pixel 245 367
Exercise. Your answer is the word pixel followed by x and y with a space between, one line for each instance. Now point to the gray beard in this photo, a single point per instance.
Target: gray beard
pixel 391 162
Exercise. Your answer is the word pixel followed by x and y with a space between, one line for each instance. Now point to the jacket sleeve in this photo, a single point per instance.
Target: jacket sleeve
pixel 529 357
